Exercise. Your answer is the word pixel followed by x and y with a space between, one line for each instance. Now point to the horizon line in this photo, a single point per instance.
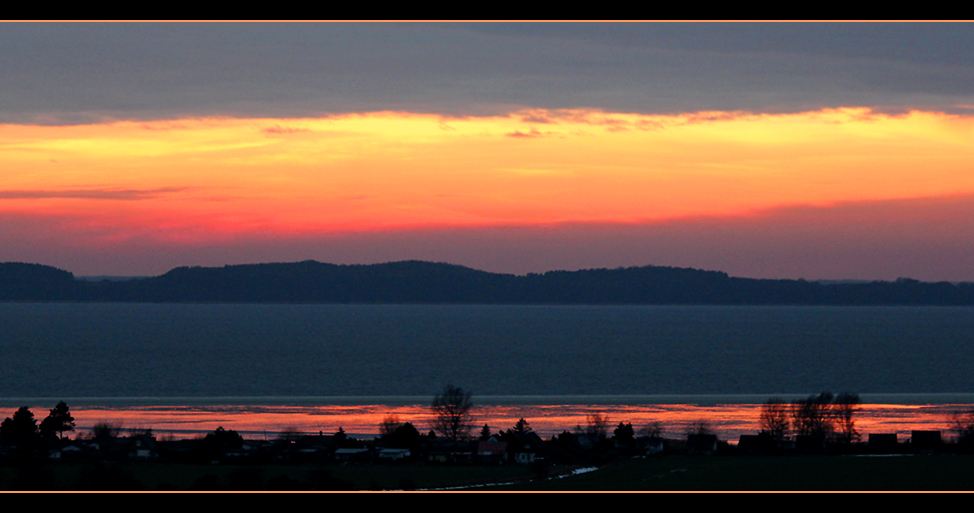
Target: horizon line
pixel 824 281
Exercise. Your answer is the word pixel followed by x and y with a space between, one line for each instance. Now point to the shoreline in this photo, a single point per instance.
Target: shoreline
pixel 905 399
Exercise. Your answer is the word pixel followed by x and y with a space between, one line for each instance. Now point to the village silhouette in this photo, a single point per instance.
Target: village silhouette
pixel 45 456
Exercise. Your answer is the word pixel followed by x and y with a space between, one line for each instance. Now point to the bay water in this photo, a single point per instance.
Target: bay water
pixel 135 357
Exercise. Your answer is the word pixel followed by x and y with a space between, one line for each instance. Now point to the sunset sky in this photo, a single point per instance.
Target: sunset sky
pixel 816 151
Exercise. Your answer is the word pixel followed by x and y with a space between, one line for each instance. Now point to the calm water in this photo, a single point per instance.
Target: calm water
pixel 202 358
pixel 138 350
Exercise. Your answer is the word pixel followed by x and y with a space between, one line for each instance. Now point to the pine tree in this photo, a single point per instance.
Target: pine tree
pixel 58 421
pixel 521 429
pixel 21 430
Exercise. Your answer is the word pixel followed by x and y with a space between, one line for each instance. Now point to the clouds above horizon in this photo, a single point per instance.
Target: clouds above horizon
pixel 394 170
pixel 57 73
pixel 821 150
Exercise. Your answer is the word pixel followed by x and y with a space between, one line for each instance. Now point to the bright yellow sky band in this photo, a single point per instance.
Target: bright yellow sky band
pixel 400 170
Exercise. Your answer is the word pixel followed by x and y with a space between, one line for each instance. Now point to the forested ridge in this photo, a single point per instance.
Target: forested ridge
pixel 420 282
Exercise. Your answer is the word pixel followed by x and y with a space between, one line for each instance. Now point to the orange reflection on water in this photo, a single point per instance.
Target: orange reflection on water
pixel 266 421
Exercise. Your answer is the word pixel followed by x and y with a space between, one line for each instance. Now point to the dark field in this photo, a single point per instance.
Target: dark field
pixel 796 473
pixel 669 473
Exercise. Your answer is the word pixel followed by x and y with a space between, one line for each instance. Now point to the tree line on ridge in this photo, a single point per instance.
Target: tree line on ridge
pixel 432 283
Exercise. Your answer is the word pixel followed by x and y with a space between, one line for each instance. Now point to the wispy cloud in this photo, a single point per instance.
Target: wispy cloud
pixel 162 126
pixel 535 116
pixel 533 134
pixel 100 194
pixel 593 117
pixel 282 130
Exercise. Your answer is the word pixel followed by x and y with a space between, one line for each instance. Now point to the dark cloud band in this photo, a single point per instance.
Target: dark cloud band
pixel 76 73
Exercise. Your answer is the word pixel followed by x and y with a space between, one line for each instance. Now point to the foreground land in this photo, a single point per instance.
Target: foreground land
pixel 771 473
pixel 665 473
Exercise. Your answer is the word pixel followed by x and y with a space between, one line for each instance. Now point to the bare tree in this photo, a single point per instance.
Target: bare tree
pixel 812 416
pixel 452 412
pixel 105 431
pixel 139 431
pixel 289 434
pixel 596 426
pixel 389 425
pixel 964 427
pixel 774 418
pixel 844 410
pixel 699 427
pixel 653 430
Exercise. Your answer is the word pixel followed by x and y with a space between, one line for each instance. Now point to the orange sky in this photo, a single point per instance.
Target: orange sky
pixel 194 179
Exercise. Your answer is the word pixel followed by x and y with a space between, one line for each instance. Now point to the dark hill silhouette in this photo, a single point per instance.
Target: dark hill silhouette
pixel 315 282
pixel 35 282
pixel 427 282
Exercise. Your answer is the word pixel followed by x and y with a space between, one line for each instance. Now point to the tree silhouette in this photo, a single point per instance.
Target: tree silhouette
pixel 521 429
pixel 407 435
pixel 222 439
pixel 845 407
pixel 699 427
pixel 964 427
pixel 653 430
pixel 812 416
pixel 389 425
pixel 58 421
pixel 105 432
pixel 340 437
pixel 566 440
pixel 21 429
pixel 289 434
pixel 774 418
pixel 595 432
pixel 452 412
pixel 596 427
pixel 398 434
pixel 624 436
